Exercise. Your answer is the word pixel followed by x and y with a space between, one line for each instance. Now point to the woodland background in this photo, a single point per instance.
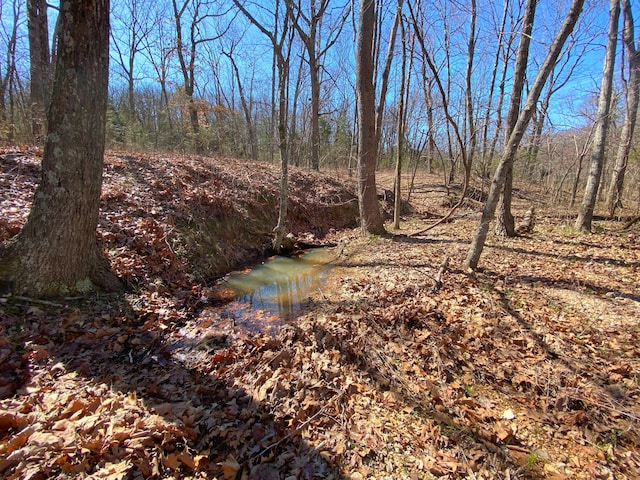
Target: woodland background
pixel 404 363
pixel 199 75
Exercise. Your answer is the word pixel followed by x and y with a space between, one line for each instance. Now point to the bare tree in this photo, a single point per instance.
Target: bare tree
pixel 308 25
pixel 452 123
pixel 281 42
pixel 488 148
pixel 8 77
pixel 632 90
pixel 134 25
pixel 186 50
pixel 158 50
pixel 370 217
pixel 511 148
pixel 56 253
pixel 585 215
pixel 245 103
pixel 505 224
pixel 386 71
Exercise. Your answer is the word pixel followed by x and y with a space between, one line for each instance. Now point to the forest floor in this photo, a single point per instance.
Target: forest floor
pixel 528 368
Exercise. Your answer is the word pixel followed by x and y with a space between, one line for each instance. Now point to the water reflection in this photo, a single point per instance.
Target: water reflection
pixel 273 292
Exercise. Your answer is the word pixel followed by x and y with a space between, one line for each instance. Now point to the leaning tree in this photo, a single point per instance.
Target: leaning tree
pixel 522 121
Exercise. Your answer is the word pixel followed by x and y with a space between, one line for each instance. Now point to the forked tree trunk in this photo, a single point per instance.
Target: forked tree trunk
pixel 56 253
pixel 585 215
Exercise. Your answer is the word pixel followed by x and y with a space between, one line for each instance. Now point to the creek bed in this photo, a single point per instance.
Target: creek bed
pixel 273 292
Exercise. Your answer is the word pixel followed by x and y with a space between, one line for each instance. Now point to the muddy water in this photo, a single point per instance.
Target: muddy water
pixel 273 292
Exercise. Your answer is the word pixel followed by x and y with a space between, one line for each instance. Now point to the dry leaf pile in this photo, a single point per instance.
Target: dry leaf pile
pixel 528 368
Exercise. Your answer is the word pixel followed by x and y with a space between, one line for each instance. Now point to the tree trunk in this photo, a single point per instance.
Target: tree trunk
pixel 506 224
pixel 10 70
pixel 487 153
pixel 188 69
pixel 384 77
pixel 585 216
pixel 281 41
pixel 246 109
pixel 283 74
pixel 370 218
pixel 39 59
pixel 397 201
pixel 56 253
pixel 614 198
pixel 511 148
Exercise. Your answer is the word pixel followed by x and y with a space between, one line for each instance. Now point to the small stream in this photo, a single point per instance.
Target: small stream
pixel 273 292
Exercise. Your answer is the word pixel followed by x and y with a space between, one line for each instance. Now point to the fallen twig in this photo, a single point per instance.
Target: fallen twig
pixel 299 427
pixel 35 300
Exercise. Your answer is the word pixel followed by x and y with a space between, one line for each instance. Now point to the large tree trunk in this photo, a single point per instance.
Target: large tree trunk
pixel 585 216
pixel 614 198
pixel 39 59
pixel 56 253
pixel 370 218
pixel 511 147
pixel 506 223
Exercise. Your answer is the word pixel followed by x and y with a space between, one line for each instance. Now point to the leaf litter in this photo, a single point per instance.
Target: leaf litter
pixel 527 368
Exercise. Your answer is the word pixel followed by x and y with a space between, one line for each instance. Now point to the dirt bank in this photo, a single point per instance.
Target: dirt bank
pixel 170 219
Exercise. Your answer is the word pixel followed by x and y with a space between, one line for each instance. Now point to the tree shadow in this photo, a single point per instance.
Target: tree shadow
pixel 570 258
pixel 210 425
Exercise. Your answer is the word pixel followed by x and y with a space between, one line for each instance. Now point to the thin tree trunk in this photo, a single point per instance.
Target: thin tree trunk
pixel 581 156
pixel 279 229
pixel 386 72
pixel 467 159
pixel 246 109
pixel 585 215
pixel 10 69
pixel 281 41
pixel 397 203
pixel 487 154
pixel 505 224
pixel 56 253
pixel 511 148
pixel 614 198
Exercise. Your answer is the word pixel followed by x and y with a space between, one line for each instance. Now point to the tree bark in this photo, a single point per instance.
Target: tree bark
pixel 397 201
pixel 40 60
pixel 511 148
pixel 370 217
pixel 585 215
pixel 56 253
pixel 614 198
